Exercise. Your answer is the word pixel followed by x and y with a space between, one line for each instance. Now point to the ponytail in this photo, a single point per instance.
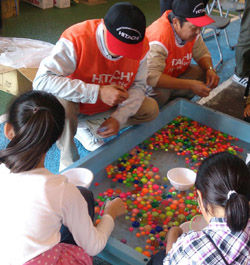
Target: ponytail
pixel 38 120
pixel 237 212
pixel 224 180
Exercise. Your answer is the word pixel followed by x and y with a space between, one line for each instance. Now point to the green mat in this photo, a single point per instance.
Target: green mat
pixel 48 24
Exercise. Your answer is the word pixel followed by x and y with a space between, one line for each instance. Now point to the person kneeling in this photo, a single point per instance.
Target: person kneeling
pixel 174 40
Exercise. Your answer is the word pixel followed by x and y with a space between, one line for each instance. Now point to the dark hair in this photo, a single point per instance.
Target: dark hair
pixel 171 16
pixel 38 120
pixel 219 174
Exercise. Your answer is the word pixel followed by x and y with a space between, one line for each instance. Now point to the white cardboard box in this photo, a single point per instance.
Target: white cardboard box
pixel 44 4
pixel 16 81
pixel 62 3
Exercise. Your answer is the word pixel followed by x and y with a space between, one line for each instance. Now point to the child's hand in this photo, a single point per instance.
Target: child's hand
pixel 247 111
pixel 115 208
pixel 172 237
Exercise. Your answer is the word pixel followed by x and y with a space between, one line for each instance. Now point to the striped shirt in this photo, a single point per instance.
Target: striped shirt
pixel 195 248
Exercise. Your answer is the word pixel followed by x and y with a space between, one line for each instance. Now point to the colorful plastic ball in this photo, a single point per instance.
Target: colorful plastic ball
pixel 139 249
pixel 146 253
pixel 135 224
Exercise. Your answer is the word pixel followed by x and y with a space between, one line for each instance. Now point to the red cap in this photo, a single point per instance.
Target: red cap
pixel 126 25
pixel 117 47
pixel 200 21
pixel 193 11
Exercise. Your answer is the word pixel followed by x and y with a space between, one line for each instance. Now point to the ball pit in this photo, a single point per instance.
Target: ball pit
pixel 153 206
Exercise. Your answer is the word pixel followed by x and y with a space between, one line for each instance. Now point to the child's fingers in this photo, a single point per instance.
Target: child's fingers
pixel 107 203
pixel 247 111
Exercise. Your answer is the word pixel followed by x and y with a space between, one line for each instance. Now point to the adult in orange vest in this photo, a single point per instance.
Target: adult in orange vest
pixel 174 40
pixel 99 66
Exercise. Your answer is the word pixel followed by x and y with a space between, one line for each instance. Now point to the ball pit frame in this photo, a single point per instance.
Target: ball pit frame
pixel 116 252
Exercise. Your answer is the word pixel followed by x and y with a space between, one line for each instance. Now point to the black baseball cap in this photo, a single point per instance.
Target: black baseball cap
pixel 126 26
pixel 193 11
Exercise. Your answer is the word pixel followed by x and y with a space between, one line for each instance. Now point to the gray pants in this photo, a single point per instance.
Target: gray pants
pixel 148 111
pixel 242 51
pixel 164 95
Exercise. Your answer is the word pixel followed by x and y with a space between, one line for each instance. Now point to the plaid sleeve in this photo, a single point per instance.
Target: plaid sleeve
pixel 176 252
pixel 182 249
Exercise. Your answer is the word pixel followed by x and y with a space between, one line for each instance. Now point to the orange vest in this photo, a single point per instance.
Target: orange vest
pixel 93 68
pixel 179 57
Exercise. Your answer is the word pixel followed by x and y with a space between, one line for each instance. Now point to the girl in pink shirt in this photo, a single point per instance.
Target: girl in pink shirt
pixel 38 203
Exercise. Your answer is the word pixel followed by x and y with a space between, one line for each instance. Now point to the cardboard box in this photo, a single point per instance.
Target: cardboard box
pixel 62 3
pixel 44 4
pixel 16 81
pixel 9 8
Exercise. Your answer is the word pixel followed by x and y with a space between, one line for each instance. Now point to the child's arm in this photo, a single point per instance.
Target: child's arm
pixel 172 236
pixel 247 108
pixel 76 217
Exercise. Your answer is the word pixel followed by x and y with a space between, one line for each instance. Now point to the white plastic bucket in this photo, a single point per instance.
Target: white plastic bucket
pixel 181 178
pixel 79 176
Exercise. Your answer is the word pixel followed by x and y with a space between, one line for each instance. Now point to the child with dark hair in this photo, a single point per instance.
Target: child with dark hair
pixel 36 204
pixel 223 188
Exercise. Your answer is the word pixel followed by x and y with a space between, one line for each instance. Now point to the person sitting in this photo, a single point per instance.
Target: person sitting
pixel 247 106
pixel 242 50
pixel 96 66
pixel 36 204
pixel 247 109
pixel 174 40
pixel 223 188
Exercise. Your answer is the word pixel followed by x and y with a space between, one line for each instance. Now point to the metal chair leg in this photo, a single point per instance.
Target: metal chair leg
pixel 219 49
pixel 209 35
pixel 227 40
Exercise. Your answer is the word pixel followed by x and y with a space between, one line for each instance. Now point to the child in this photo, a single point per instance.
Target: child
pixel 223 187
pixel 36 203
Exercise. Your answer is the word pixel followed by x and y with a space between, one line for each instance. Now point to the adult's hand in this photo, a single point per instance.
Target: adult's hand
pixel 115 208
pixel 212 79
pixel 199 88
pixel 113 95
pixel 247 111
pixel 108 128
